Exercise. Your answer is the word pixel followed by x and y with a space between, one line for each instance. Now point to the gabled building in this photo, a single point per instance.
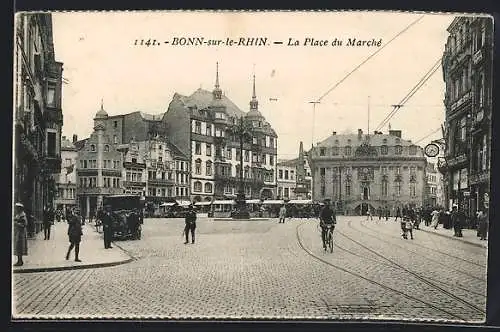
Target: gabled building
pixel 37 115
pixel 66 182
pixel 200 125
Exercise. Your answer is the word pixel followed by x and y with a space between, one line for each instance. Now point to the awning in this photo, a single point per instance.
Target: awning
pixel 202 203
pixel 272 201
pixel 300 201
pixel 183 203
pixel 168 204
pixel 253 201
pixel 225 202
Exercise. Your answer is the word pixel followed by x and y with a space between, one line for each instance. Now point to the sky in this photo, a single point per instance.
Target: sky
pixel 102 62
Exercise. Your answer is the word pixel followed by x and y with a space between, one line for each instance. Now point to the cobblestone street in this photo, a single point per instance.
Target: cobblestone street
pixel 262 269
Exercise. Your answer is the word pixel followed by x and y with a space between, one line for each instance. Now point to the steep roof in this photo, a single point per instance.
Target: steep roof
pixel 66 144
pixel 290 163
pixel 80 144
pixel 202 99
pixel 176 151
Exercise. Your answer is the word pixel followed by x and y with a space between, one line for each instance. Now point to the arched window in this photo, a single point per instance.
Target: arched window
pixel 197 166
pixel 384 141
pixel 115 139
pixel 208 187
pixel 92 148
pixel 106 148
pixel 197 186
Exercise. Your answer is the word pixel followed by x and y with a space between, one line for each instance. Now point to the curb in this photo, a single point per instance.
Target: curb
pixel 231 219
pixel 73 267
pixel 455 238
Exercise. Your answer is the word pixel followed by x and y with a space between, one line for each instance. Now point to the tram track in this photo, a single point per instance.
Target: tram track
pixel 363 224
pixel 440 263
pixel 392 264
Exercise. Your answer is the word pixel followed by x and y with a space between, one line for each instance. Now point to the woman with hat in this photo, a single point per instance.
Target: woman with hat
pixel 20 235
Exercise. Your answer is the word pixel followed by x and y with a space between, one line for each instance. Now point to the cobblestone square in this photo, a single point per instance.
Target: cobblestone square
pixel 262 269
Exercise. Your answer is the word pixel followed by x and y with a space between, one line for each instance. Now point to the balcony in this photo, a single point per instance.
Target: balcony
pixel 467 97
pixel 134 184
pixel 99 191
pixel 161 182
pixel 457 160
pixel 220 121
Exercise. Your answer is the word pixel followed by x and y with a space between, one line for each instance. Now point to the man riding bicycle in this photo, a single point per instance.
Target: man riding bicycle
pixel 327 220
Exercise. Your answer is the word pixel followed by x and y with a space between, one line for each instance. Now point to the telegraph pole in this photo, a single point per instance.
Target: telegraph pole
pixel 313 120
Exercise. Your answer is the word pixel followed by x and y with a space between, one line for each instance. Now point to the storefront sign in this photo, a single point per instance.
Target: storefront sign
pixel 464 183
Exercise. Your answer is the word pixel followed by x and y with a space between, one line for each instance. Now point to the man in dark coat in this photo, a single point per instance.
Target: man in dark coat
pixel 457 220
pixel 190 220
pixel 398 214
pixel 48 221
pixel 327 218
pixel 107 227
pixel 75 234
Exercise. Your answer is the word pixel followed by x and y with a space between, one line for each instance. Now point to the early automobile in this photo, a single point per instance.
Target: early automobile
pixel 127 214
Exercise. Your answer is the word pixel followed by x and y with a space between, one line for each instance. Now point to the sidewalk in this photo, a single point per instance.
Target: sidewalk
pixel 469 235
pixel 49 255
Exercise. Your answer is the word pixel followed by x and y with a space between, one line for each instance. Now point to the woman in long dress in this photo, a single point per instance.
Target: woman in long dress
pixel 435 219
pixel 20 235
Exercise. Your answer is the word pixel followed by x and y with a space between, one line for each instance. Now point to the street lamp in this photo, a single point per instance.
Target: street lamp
pixel 244 131
pixel 313 120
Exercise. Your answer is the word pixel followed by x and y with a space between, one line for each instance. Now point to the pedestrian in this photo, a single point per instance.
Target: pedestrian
pixel 408 224
pixel 398 214
pixel 379 212
pixel 386 210
pixel 457 220
pixel 435 218
pixel 190 221
pixel 107 227
pixel 75 234
pixel 482 217
pixel 282 214
pixel 48 221
pixel 369 214
pixel 20 234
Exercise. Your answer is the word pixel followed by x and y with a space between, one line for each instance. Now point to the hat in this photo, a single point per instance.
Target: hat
pixel 19 205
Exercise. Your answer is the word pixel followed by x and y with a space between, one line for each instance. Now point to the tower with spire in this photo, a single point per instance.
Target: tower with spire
pixel 254 115
pixel 217 104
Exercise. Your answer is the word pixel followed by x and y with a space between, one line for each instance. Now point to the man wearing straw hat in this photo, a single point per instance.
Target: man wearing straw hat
pixel 20 235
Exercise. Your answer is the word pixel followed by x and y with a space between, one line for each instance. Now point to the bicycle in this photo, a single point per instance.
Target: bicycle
pixel 328 241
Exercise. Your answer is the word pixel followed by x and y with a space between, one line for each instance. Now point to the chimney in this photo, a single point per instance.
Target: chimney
pixel 360 133
pixel 334 133
pixel 396 133
pixel 75 138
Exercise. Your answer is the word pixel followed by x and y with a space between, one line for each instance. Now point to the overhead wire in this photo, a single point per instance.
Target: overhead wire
pixel 369 57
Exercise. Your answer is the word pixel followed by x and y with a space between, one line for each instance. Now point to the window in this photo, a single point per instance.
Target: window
pixel 197 186
pixel 106 148
pixel 291 175
pixel 115 139
pixel 197 167
pixel 322 151
pixel 197 127
pixel 209 149
pixel 51 94
pixel 323 189
pixel 67 162
pixel 197 148
pixel 322 171
pixel 398 149
pixel 286 175
pixel 287 192
pixel 264 158
pixel 398 188
pixel 115 124
pixel 347 150
pixel 208 187
pixel 208 168
pixel 384 188
pixel 271 142
pixel 51 144
pixel 280 174
pixel 246 172
pixel 413 150
pixel 335 151
pixel 92 147
pixel 384 169
pixel 209 130
pixel 229 153
pixel 160 159
pixel 398 170
pixel 280 192
pixel 384 141
pixel 413 191
pixel 413 170
pixel 271 160
pixel 463 129
pixel 383 149
pixel 247 156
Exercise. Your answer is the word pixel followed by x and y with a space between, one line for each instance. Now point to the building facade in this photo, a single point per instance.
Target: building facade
pixel 286 181
pixel 66 183
pixel 37 115
pixel 294 177
pixel 201 126
pixel 360 171
pixel 155 169
pixel 434 190
pixel 99 167
pixel 467 72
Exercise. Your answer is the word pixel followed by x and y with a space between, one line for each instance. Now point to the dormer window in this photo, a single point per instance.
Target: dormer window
pixel 384 141
pixel 220 115
pixel 322 151
pixel 92 148
pixel 106 148
pixel 398 149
